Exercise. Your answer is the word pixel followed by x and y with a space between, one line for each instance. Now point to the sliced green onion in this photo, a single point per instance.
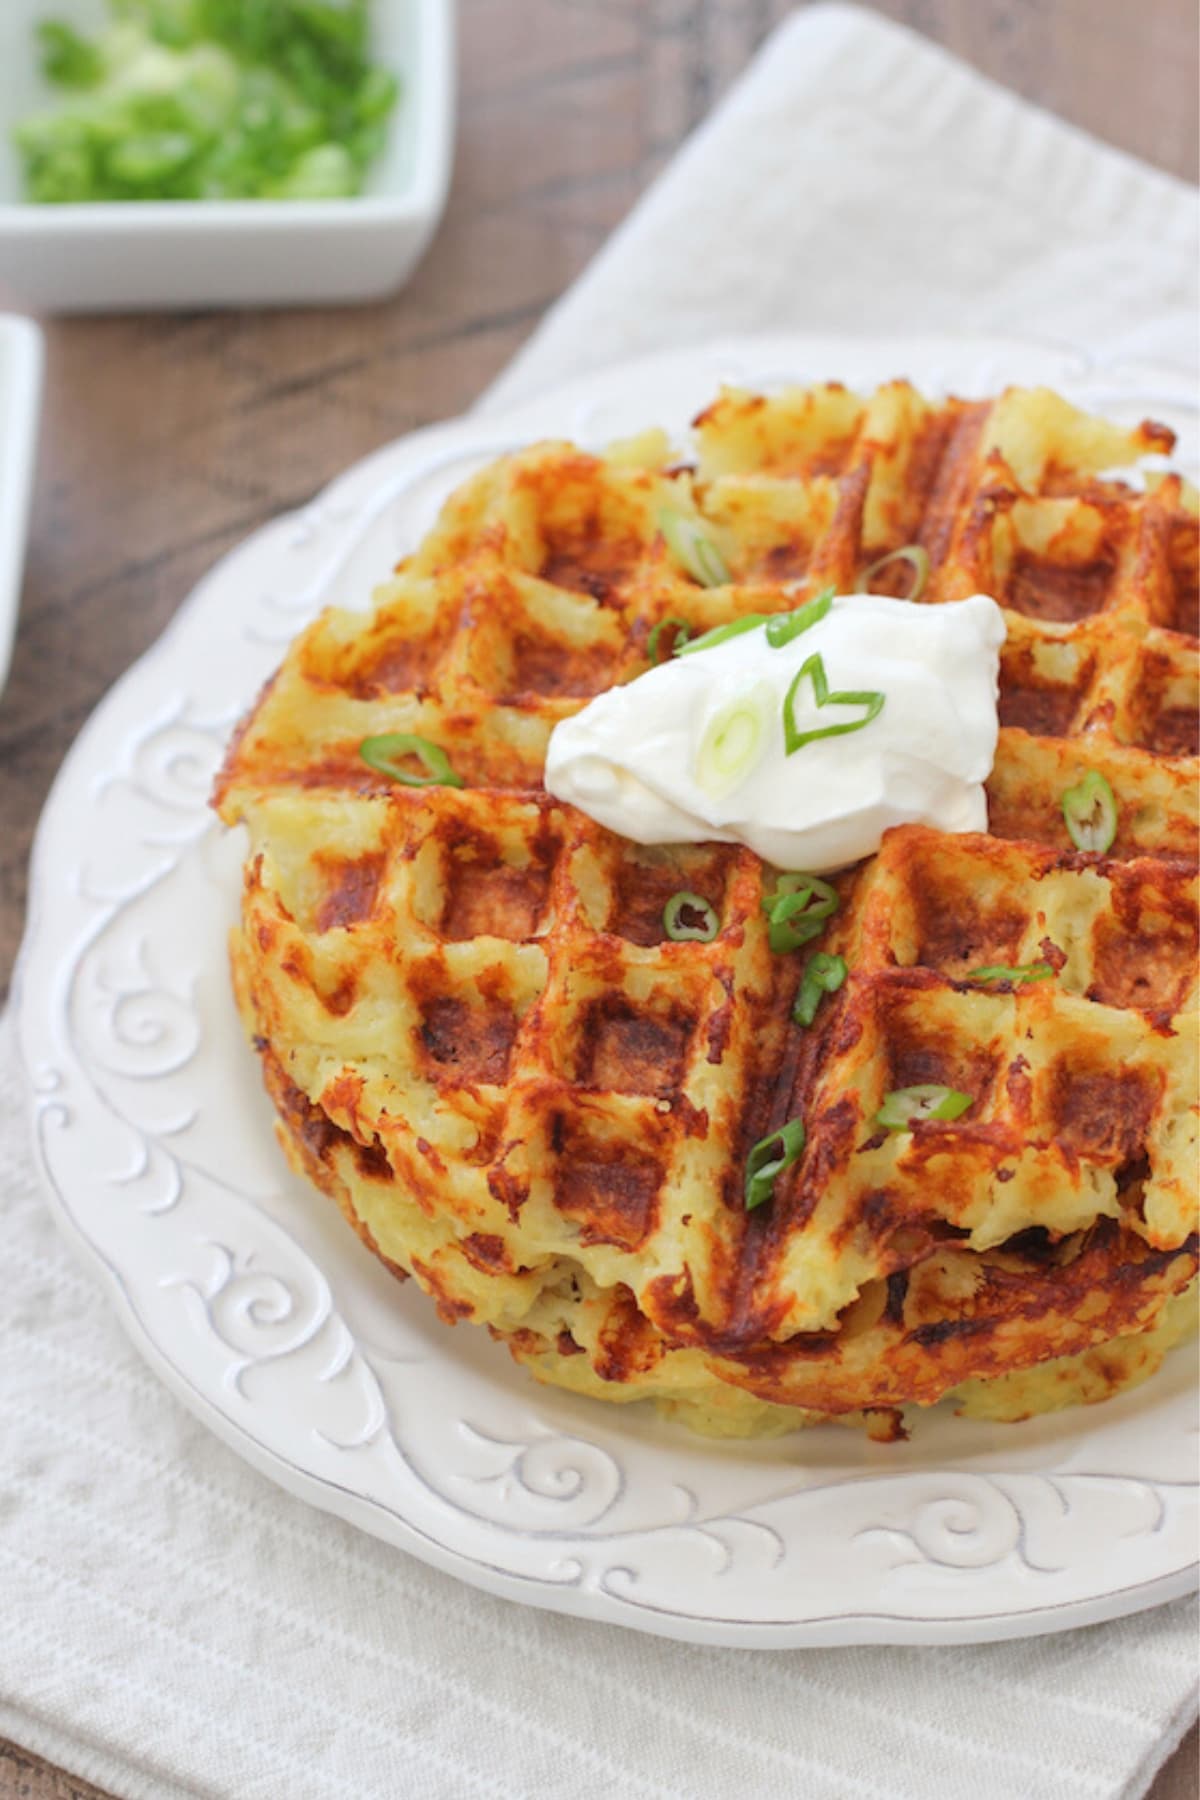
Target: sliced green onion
pixel 693 550
pixel 680 627
pixel 783 627
pixel 382 752
pixel 208 99
pixel 733 741
pixel 1090 809
pixel 150 157
pixel 912 554
pixel 822 975
pixel 765 1162
pixel 814 668
pixel 67 58
pixel 326 172
pixel 906 1107
pixel 720 634
pixel 677 927
pixel 1036 971
pixel 790 884
pixel 800 913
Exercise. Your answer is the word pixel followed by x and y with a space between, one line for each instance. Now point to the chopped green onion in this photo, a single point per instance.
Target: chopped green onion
pixel 912 554
pixel 822 975
pixel 814 668
pixel 676 926
pixel 68 59
pixel 1036 971
pixel 209 99
pixel 381 753
pixel 693 550
pixel 733 741
pixel 798 912
pixel 1090 810
pixel 789 884
pixel 783 627
pixel 906 1107
pixel 720 634
pixel 680 627
pixel 762 1166
pixel 326 172
pixel 152 156
pixel 377 94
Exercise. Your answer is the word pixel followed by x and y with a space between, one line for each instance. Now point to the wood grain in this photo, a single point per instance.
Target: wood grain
pixel 167 439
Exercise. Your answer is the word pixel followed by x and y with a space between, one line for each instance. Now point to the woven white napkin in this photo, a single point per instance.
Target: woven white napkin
pixel 170 1623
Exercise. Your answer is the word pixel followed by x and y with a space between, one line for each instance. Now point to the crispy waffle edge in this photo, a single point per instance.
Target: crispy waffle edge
pixel 479 1045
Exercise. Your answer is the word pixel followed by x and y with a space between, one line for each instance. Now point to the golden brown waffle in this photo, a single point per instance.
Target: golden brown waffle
pixel 481 1043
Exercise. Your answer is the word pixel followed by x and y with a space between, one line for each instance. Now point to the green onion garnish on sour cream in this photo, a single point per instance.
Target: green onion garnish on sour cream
pixel 733 741
pixel 805 740
pixel 871 702
pixel 782 628
pixel 721 634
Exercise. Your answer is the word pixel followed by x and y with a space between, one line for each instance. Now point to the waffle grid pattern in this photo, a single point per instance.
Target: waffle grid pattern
pixel 481 1044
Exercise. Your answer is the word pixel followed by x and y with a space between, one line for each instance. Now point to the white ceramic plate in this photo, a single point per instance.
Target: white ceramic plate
pixel 261 1310
pixel 20 393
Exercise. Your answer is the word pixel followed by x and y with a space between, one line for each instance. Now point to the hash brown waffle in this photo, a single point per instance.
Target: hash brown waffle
pixel 481 1044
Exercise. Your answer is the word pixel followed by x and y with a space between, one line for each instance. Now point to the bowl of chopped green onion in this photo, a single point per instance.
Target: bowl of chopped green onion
pixel 195 153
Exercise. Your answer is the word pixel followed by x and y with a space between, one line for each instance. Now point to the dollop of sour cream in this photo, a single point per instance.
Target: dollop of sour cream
pixel 696 749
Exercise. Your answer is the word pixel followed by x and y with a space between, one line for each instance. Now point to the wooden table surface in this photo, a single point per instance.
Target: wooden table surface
pixel 166 439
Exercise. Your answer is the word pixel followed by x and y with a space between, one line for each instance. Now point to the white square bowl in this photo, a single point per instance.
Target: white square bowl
pixel 135 255
pixel 20 391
